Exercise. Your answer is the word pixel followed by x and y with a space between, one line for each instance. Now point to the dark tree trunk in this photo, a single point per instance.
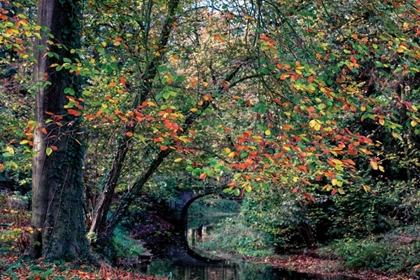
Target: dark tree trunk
pixel 57 201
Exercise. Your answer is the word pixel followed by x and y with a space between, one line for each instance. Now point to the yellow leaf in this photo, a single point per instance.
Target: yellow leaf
pixel 395 135
pixel 363 108
pixel 117 43
pixel 374 164
pixel 381 168
pixel 366 188
pixel 413 123
pixel 177 159
pixel 227 150
pixel 381 121
pixel 231 155
pixel 315 124
pixel 267 132
pixel 48 151
pixel 295 179
pixel 150 103
pixel 103 44
pixel 205 84
pixel 23 142
pixel 193 110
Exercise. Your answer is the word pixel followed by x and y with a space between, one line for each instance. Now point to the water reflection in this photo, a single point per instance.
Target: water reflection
pixel 225 271
pixel 183 263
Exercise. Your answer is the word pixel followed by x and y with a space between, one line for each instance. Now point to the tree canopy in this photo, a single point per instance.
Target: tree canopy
pixel 296 97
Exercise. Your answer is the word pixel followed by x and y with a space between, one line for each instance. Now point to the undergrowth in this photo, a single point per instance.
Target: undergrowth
pixel 396 251
pixel 124 246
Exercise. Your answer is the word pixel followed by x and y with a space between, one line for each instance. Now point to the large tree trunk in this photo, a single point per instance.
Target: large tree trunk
pixel 57 201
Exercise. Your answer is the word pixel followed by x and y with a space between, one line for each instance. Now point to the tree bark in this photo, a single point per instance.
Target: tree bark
pixel 57 199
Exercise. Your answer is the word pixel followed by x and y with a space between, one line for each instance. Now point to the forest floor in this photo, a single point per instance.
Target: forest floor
pixel 13 267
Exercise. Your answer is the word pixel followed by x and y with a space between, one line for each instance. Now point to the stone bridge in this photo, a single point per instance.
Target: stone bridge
pixel 176 213
pixel 185 197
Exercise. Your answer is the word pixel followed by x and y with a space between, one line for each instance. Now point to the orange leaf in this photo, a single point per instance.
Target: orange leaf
pixel 284 76
pixel 54 148
pixel 44 130
pixel 1 166
pixel 203 176
pixel 74 112
pixel 163 148
pixel 129 134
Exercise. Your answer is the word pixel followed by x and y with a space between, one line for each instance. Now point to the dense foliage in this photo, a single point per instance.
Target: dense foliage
pixel 307 109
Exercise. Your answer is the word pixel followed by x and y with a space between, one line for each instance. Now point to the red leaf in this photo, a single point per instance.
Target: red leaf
pixel 309 196
pixel 122 80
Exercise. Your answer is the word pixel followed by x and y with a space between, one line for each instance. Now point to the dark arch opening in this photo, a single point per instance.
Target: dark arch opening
pixel 185 222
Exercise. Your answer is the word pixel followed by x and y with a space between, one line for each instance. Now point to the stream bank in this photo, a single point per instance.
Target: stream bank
pixel 164 243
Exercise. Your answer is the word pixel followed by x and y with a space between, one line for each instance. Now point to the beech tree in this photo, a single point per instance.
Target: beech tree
pixel 57 188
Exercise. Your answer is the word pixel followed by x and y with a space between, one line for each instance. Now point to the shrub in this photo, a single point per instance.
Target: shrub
pixel 233 236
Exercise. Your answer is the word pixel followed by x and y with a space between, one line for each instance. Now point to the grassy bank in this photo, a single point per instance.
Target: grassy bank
pixel 394 255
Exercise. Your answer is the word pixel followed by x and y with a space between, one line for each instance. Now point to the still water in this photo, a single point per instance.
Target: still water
pixel 182 263
pixel 224 271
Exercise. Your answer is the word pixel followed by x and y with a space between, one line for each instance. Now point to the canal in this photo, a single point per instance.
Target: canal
pixel 182 262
